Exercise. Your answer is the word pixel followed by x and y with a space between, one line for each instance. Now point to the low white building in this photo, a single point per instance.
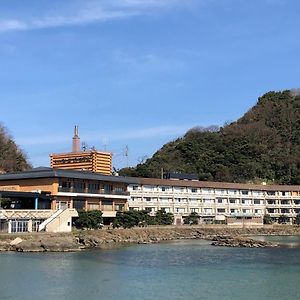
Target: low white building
pixel 214 201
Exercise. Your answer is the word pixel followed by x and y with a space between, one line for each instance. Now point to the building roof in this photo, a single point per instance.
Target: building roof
pixel 217 185
pixel 45 172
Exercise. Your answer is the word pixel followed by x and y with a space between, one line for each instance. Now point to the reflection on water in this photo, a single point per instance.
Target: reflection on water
pixel 283 240
pixel 175 270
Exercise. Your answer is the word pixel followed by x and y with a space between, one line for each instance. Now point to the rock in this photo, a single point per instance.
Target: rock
pixel 16 241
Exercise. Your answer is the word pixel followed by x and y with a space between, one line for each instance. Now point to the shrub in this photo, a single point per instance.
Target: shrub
pixel 267 219
pixel 89 219
pixel 192 219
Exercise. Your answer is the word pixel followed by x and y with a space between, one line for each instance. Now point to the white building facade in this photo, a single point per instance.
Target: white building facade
pixel 215 201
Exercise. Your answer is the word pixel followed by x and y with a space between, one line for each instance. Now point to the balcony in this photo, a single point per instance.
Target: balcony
pixel 86 191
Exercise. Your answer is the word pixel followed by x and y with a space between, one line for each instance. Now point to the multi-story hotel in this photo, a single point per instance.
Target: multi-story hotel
pixel 87 160
pixel 60 193
pixel 232 203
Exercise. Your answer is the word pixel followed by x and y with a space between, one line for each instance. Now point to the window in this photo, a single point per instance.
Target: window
pixel 119 206
pixel 194 190
pixel 135 187
pixel 164 200
pixel 19 225
pixel 257 201
pixel 195 210
pixel 246 201
pixel 93 187
pixel 64 186
pixel 78 204
pixel 36 223
pixel 232 201
pixel 149 209
pixel 93 206
pixel 220 200
pixel 147 199
pixel 165 209
pixel 221 210
pixel 79 187
pixel 208 201
pixel 119 190
pixel 107 205
pixel 245 192
pixel 269 193
pixel 107 188
pixel 207 210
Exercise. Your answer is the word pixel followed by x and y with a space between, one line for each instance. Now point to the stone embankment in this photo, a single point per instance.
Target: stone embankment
pixel 103 238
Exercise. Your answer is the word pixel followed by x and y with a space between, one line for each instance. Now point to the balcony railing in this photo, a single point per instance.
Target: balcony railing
pixel 100 192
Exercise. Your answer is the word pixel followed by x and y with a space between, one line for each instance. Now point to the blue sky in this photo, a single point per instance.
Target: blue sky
pixel 138 72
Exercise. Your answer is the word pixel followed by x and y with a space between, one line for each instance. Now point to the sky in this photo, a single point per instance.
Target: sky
pixel 138 73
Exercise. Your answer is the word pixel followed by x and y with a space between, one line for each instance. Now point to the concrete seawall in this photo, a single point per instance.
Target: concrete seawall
pixel 103 238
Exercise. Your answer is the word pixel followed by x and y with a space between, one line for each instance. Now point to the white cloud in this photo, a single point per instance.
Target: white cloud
pixel 119 135
pixel 91 12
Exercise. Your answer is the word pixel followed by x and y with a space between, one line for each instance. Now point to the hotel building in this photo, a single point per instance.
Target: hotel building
pixel 59 193
pixel 91 160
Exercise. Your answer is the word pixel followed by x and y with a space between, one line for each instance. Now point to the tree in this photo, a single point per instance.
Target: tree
pixel 263 145
pixel 267 219
pixel 192 219
pixel 164 218
pixel 89 219
pixel 5 203
pixel 129 219
pixel 297 219
pixel 283 219
pixel 12 157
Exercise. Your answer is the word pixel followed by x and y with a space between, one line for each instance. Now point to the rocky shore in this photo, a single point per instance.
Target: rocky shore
pixel 103 238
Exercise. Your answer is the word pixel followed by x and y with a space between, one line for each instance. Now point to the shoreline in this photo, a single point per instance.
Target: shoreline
pixel 219 235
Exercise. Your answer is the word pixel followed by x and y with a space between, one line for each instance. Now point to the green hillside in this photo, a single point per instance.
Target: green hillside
pixel 11 157
pixel 263 145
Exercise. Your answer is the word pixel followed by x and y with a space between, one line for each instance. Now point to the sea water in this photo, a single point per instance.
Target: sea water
pixel 191 269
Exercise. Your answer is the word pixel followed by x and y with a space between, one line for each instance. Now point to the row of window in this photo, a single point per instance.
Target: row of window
pixel 204 201
pixel 206 211
pixel 146 188
pixel 90 187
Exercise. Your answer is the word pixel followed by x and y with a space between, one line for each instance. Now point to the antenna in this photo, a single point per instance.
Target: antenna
pixel 84 146
pixel 126 150
pixel 105 142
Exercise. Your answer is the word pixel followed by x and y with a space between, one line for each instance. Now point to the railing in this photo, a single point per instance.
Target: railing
pixel 100 192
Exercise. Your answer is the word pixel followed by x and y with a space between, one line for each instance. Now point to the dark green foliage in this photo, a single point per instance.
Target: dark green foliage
pixel 263 145
pixel 163 218
pixel 297 219
pixel 192 219
pixel 267 219
pixel 283 219
pixel 129 219
pixel 5 203
pixel 11 157
pixel 132 218
pixel 89 219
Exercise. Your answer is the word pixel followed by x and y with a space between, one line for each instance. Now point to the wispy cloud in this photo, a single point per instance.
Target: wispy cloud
pixel 148 62
pixel 90 12
pixel 119 135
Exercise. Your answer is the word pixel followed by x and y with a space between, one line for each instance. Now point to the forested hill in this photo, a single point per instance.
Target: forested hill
pixel 263 145
pixel 11 157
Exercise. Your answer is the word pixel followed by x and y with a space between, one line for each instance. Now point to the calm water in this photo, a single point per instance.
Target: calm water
pixel 176 270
